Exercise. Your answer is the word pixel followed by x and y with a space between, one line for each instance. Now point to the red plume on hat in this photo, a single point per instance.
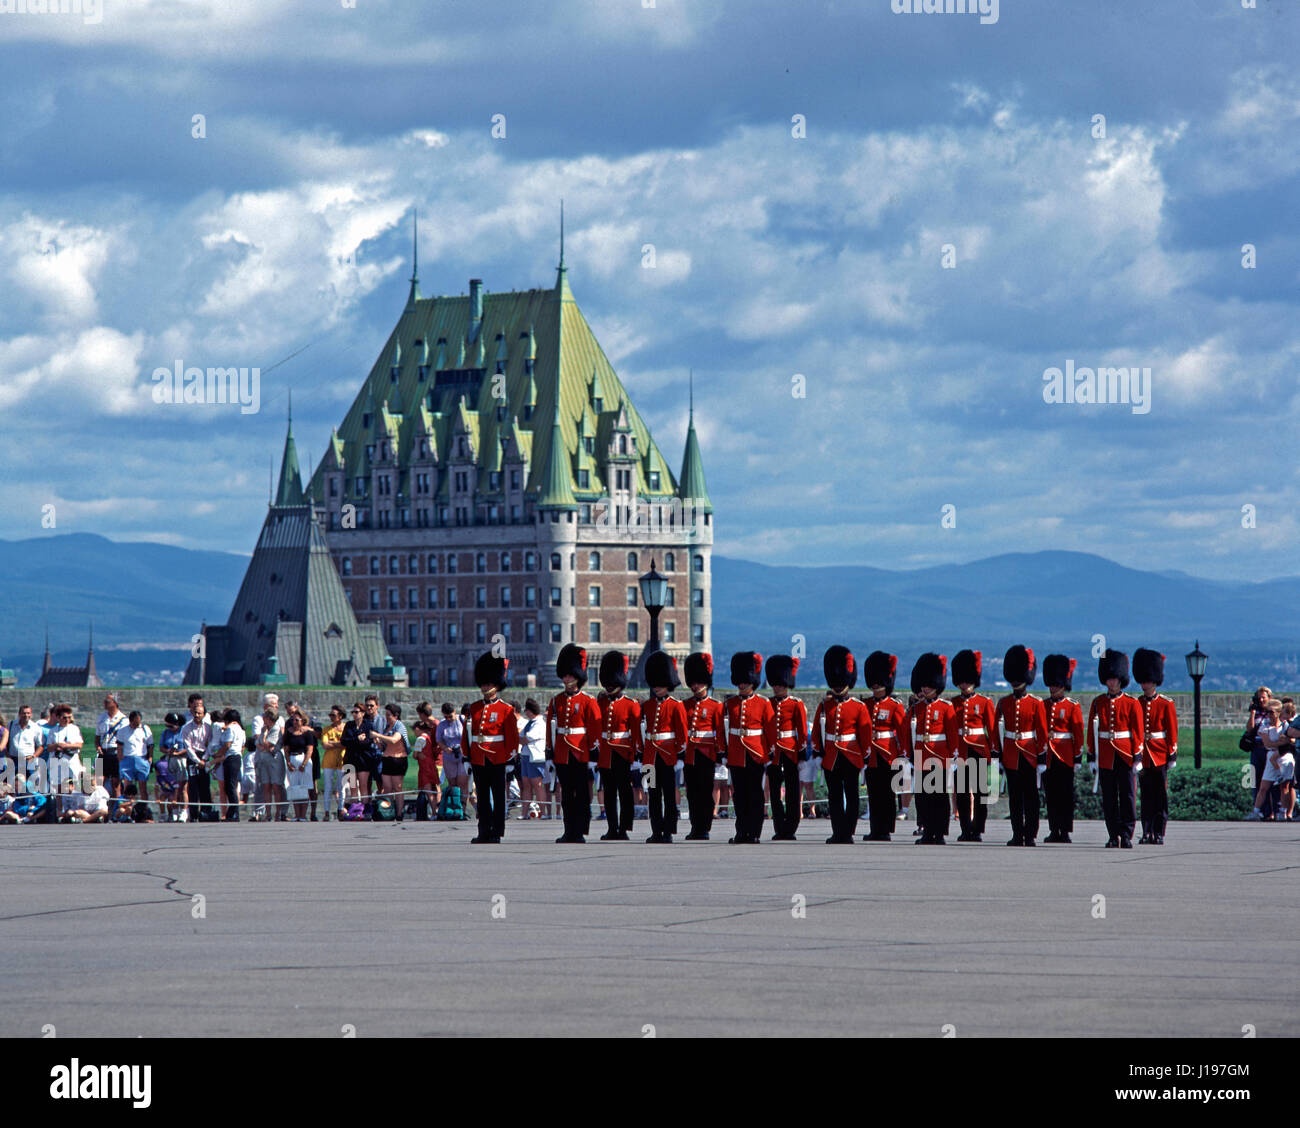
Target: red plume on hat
pixel 848 662
pixel 794 665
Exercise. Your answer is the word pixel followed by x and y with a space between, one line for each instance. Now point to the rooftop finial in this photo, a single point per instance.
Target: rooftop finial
pixel 561 232
pixel 415 294
pixel 692 396
pixel 290 409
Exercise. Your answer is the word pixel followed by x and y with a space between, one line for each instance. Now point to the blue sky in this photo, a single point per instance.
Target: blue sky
pixel 126 243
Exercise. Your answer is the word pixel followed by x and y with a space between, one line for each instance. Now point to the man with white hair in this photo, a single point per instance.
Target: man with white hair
pixel 268 760
pixel 111 725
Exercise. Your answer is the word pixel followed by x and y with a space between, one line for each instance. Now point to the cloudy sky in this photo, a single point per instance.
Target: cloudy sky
pixel 951 224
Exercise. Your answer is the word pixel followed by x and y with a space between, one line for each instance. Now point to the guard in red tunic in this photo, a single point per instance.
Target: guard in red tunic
pixel 885 758
pixel 489 741
pixel 705 744
pixel 841 734
pixel 1021 742
pixel 1064 746
pixel 663 739
pixel 751 734
pixel 620 744
pixel 975 724
pixel 1115 738
pixel 1159 744
pixel 791 741
pixel 931 739
pixel 572 732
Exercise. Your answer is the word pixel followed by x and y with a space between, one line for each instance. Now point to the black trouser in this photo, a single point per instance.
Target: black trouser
pixel 1153 783
pixel 663 799
pixel 972 794
pixel 1118 798
pixel 933 807
pixel 1022 791
pixel 199 796
pixel 1058 785
pixel 575 798
pixel 616 780
pixel 747 797
pixel 699 793
pixel 783 793
pixel 231 770
pixel 881 809
pixel 490 786
pixel 842 797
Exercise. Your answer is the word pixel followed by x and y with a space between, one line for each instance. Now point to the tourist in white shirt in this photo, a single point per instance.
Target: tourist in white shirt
pixel 228 766
pixel 268 760
pixel 135 753
pixel 108 729
pixel 63 749
pixel 196 737
pixel 26 743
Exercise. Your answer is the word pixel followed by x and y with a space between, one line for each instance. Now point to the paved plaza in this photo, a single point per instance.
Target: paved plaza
pixel 407 929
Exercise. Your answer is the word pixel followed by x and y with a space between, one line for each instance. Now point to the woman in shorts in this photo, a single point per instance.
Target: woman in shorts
pixel 173 764
pixel 356 755
pixel 532 761
pixel 397 748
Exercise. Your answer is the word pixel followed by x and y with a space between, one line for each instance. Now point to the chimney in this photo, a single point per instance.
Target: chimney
pixel 475 307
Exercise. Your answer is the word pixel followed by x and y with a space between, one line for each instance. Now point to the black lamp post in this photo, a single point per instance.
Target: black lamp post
pixel 1196 671
pixel 654 592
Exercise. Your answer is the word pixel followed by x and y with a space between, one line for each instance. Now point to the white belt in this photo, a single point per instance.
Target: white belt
pixel 702 734
pixel 1155 735
pixel 1063 736
pixel 659 735
pixel 750 732
pixel 786 734
pixel 1122 735
pixel 489 739
pixel 939 738
pixel 971 731
pixel 570 731
pixel 1018 736
pixel 887 734
pixel 624 735
pixel 842 738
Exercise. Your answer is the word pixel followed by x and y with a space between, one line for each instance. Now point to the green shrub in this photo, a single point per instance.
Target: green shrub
pixel 1204 795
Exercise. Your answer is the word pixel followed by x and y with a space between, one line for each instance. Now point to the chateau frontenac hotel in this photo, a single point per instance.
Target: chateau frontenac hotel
pixel 494 482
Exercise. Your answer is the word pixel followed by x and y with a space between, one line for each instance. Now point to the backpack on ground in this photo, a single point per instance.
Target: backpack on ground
pixel 451 806
pixel 383 810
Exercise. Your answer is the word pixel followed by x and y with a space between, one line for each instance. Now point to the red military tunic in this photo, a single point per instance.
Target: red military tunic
pixel 1160 730
pixel 791 726
pixel 888 720
pixel 931 731
pixel 1114 729
pixel 663 731
pixel 841 727
pixel 704 736
pixel 975 725
pixel 1064 730
pixel 620 728
pixel 750 725
pixel 492 734
pixel 572 727
pixel 1021 735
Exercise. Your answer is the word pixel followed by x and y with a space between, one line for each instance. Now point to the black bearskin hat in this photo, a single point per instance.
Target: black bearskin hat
pixel 613 670
pixel 880 669
pixel 967 665
pixel 1019 666
pixel 661 670
pixel 747 666
pixel 1148 666
pixel 840 667
pixel 1113 664
pixel 491 670
pixel 699 669
pixel 1059 670
pixel 781 670
pixel 572 660
pixel 931 670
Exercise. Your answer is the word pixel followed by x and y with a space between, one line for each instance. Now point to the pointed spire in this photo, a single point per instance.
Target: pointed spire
pixel 690 483
pixel 290 489
pixel 45 666
pixel 562 271
pixel 415 295
pixel 557 483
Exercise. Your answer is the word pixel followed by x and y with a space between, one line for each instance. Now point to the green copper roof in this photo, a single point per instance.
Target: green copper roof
pixel 289 491
pixel 557 492
pixel 692 477
pixel 545 323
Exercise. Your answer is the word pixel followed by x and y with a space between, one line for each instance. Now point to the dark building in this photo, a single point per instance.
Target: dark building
pixel 68 677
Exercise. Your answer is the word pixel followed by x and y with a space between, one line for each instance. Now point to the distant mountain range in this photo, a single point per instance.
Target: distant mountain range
pixel 142 597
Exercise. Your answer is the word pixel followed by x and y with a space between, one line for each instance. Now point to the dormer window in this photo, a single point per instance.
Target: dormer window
pixel 622 444
pixel 599 404
pixel 653 478
pixel 589 444
pixel 584 480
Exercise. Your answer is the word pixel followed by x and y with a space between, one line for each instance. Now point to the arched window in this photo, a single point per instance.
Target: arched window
pixel 505 562
pixel 392 566
pixel 556 565
pixel 347 565
pixel 699 562
pixel 413 564
pixel 593 562
pixel 670 562
pixel 480 562
pixel 530 562
pixel 632 565
pixel 433 564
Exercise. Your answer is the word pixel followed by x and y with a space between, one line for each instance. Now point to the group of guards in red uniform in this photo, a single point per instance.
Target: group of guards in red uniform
pixel 945 745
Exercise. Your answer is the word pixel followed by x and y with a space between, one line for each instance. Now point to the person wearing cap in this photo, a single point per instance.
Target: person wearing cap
pixel 841 733
pixel 750 726
pixel 1064 746
pixel 1115 735
pixel 885 757
pixel 572 730
pixel 663 739
pixel 1021 742
pixel 489 742
pixel 620 742
pixel 975 725
pixel 791 741
pixel 1159 746
pixel 705 748
pixel 931 739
